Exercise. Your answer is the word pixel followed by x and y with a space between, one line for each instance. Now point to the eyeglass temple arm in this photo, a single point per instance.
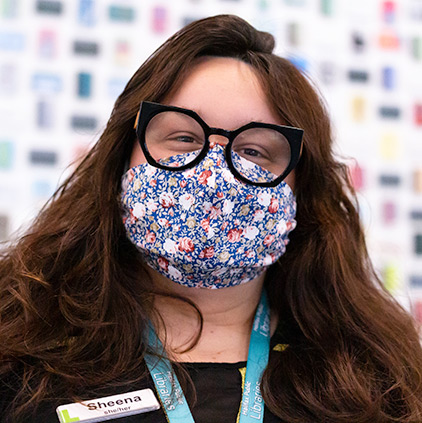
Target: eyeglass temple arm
pixel 136 121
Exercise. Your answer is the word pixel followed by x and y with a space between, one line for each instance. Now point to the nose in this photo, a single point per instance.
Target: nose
pixel 218 139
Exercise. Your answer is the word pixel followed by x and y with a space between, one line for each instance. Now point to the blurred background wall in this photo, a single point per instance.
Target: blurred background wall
pixel 64 62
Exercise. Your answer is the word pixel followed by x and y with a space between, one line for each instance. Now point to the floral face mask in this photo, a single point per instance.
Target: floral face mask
pixel 202 227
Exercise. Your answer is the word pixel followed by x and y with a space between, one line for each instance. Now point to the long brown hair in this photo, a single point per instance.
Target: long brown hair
pixel 75 299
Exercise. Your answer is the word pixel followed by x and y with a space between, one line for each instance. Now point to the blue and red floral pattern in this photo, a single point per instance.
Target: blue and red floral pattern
pixel 202 227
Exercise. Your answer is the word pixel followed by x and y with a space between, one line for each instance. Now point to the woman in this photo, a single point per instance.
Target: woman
pixel 174 262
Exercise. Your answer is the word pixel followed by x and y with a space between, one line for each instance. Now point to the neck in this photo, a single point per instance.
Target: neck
pixel 227 313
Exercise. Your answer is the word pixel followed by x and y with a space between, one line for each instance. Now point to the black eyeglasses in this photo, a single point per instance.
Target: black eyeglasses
pixel 176 139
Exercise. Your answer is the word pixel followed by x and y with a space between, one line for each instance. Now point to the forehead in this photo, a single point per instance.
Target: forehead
pixel 225 92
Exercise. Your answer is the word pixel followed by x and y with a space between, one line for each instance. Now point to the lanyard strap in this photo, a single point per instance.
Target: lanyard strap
pixel 252 404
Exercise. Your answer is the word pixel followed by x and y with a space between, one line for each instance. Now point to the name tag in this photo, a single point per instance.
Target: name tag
pixel 107 408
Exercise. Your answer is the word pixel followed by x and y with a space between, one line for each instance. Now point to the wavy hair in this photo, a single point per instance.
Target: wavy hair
pixel 73 287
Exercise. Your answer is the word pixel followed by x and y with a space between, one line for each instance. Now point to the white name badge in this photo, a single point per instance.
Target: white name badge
pixel 107 408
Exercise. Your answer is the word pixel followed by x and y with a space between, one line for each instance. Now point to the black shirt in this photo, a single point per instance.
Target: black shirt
pixel 218 389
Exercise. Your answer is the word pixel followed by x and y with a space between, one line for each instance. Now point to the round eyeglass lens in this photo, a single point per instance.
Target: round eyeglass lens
pixel 174 139
pixel 260 154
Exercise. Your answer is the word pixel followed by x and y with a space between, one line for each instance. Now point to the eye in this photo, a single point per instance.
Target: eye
pixel 252 151
pixel 249 152
pixel 185 139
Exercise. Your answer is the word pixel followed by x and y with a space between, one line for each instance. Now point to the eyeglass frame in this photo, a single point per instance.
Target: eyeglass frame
pixel 148 110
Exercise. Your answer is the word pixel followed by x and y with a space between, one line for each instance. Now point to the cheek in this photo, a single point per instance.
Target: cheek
pixel 137 157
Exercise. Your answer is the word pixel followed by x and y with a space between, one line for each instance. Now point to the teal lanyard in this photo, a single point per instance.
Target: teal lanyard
pixel 252 404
